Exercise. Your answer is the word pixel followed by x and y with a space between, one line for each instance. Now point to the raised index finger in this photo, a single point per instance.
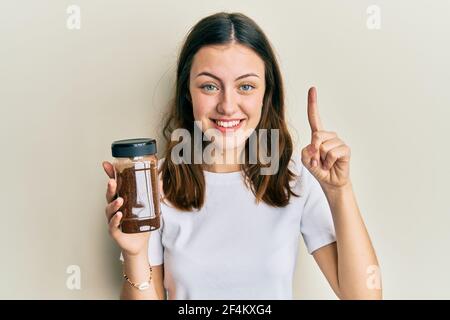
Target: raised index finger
pixel 313 112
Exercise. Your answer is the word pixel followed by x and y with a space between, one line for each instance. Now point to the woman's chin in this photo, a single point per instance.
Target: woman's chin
pixel 228 143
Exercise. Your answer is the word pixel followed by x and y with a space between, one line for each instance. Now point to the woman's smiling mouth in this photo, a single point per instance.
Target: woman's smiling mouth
pixel 226 125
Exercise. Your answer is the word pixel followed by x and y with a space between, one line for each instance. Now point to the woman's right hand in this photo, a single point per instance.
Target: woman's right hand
pixel 132 244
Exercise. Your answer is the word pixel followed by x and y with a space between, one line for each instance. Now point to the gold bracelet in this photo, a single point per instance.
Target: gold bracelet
pixel 140 286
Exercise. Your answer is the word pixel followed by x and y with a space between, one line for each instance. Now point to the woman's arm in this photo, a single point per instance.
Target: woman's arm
pixel 350 265
pixel 136 265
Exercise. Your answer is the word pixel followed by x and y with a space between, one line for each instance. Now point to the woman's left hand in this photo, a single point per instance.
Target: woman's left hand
pixel 327 157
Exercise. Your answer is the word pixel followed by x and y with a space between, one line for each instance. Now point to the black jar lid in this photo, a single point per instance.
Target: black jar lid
pixel 133 147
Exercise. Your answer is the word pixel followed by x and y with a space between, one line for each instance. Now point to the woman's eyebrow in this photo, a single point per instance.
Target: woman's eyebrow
pixel 204 73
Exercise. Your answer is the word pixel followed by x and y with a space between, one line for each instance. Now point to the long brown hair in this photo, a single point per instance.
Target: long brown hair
pixel 184 184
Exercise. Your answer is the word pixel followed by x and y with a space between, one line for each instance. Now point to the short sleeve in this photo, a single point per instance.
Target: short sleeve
pixel 155 248
pixel 316 224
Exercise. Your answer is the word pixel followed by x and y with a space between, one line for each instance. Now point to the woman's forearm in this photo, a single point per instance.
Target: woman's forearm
pixel 358 270
pixel 137 270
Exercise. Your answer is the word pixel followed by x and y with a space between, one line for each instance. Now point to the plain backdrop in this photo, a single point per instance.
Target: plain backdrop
pixel 65 95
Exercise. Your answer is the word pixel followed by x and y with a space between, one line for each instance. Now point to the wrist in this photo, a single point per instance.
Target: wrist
pixel 134 257
pixel 333 191
pixel 141 285
pixel 137 271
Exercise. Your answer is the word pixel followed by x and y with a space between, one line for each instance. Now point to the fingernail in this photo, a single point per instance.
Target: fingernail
pixel 314 163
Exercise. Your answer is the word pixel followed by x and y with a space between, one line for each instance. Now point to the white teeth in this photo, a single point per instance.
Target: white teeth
pixel 227 124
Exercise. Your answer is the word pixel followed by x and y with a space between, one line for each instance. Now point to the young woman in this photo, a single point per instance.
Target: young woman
pixel 228 231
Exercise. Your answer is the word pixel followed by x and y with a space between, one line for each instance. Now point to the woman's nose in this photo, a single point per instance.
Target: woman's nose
pixel 228 104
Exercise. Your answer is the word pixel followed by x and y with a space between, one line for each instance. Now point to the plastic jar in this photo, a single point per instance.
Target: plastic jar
pixel 136 173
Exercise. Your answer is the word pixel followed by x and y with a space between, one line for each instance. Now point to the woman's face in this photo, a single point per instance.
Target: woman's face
pixel 227 85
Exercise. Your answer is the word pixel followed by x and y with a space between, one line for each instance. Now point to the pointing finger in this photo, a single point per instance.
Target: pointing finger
pixel 313 112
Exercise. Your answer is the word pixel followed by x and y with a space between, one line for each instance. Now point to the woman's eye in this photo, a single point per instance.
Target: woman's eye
pixel 208 86
pixel 211 87
pixel 247 86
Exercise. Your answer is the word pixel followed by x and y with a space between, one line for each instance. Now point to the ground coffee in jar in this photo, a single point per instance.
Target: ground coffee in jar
pixel 136 172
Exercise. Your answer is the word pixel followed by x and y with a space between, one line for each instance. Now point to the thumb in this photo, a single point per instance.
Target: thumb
pixel 307 157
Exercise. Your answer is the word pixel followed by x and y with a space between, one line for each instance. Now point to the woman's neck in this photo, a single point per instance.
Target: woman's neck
pixel 222 168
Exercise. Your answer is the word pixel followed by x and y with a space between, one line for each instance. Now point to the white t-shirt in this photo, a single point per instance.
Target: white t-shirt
pixel 233 248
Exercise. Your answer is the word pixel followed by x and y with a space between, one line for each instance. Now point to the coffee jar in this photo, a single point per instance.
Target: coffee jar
pixel 136 173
